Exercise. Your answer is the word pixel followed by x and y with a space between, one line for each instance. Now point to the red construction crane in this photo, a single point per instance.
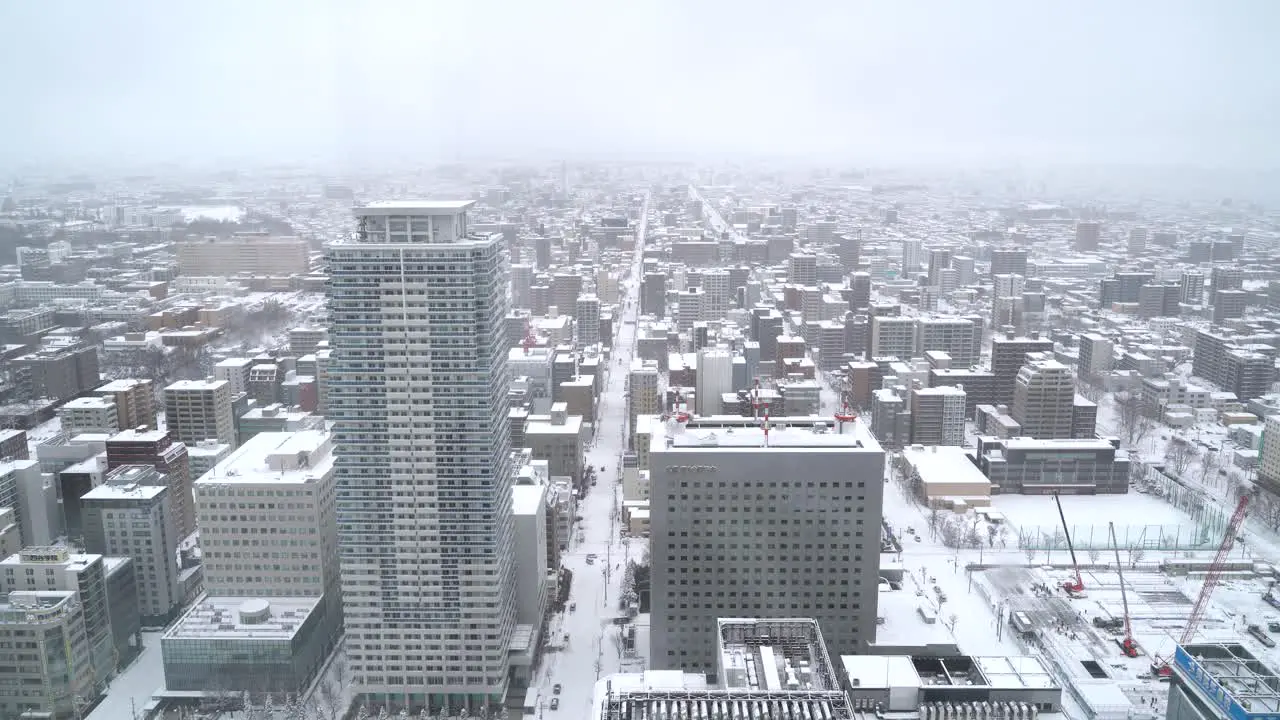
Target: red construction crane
pixel 844 417
pixel 682 408
pixel 1211 579
pixel 1127 646
pixel 530 338
pixel 1073 588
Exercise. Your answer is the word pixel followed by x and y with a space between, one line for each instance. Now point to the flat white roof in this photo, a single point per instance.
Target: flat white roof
pixel 413 207
pixel 526 499
pixel 1014 671
pixel 119 386
pixel 224 618
pixel 124 492
pixel 137 436
pixel 736 433
pixel 196 385
pixel 572 426
pixel 943 464
pixel 250 463
pixel 880 671
pixel 1025 443
pixel 89 402
pixel 941 390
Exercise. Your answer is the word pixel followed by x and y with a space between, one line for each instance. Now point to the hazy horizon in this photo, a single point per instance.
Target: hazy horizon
pixel 247 83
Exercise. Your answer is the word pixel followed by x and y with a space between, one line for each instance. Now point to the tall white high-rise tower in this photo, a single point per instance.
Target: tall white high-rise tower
pixel 418 391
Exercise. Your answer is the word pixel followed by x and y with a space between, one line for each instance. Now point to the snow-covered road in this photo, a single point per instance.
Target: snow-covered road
pixel 594 646
pixel 131 690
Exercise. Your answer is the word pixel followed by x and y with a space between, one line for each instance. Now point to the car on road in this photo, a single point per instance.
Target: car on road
pixel 555 703
pixel 573 606
pixel 555 689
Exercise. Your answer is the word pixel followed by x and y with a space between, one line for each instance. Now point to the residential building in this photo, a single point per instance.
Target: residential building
pixel 1269 455
pixel 52 625
pixel 802 269
pixel 235 371
pixel 1009 262
pixel 1137 240
pixel 643 396
pixel 529 506
pixel 893 337
pixel 57 372
pixel 89 415
pixel 1043 398
pixel 1008 355
pixel 714 378
pixel 156 449
pixel 132 516
pixel 1097 356
pixel 587 320
pixel 196 410
pixel 952 335
pixel 419 413
pixel 939 260
pixel 1192 287
pixel 937 416
pixel 10 533
pixel 558 438
pixel 52 568
pixel 1087 236
pixel 134 401
pixel 1222 278
pixel 717 291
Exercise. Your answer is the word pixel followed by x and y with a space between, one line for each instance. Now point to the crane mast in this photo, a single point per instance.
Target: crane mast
pixel 1077 587
pixel 1215 570
pixel 1127 646
pixel 1211 579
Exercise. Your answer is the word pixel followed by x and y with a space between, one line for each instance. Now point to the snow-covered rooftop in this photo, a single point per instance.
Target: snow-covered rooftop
pixel 733 432
pixel 124 492
pixel 227 618
pixel 281 458
pixel 943 463
pixel 526 499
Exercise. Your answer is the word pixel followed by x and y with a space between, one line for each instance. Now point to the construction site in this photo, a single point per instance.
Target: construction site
pixel 1104 597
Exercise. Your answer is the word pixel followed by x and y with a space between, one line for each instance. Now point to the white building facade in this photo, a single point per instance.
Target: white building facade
pixel 418 392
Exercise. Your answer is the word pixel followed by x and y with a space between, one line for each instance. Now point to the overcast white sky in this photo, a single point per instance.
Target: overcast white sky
pixel 1107 81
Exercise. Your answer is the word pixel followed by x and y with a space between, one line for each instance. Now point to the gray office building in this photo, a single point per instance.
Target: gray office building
pixel 749 521
pixel 1065 466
